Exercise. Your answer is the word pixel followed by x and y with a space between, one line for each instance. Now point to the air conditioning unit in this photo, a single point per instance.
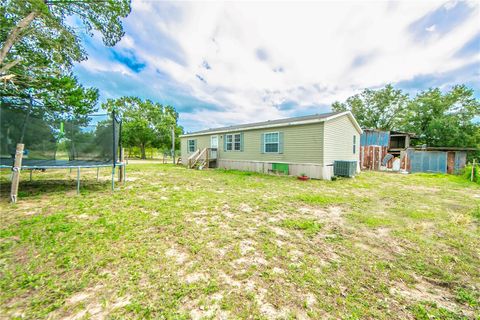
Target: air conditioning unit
pixel 344 168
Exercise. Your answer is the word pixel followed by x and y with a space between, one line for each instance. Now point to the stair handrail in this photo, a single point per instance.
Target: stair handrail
pixel 191 157
pixel 200 154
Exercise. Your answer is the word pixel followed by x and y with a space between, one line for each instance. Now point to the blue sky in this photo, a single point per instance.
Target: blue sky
pixel 236 62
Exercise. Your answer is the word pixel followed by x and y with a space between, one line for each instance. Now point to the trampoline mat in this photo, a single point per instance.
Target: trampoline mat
pixel 46 164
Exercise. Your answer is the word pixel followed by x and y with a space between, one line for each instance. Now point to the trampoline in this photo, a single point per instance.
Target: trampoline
pixel 60 141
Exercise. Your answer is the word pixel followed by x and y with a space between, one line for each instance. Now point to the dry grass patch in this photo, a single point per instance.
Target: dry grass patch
pixel 177 243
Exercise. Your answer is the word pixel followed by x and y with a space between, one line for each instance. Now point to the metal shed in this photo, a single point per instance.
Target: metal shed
pixel 437 159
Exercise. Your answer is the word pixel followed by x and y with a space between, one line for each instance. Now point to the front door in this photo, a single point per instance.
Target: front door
pixel 451 162
pixel 213 146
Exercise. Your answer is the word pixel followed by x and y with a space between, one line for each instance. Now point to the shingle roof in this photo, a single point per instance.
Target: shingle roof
pixel 266 123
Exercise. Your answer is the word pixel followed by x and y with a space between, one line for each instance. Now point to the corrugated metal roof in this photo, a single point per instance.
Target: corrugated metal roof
pixel 267 123
pixel 420 148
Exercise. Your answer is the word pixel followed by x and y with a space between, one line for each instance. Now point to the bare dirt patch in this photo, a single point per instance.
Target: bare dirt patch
pixel 267 309
pixel 279 231
pixel 195 277
pixel 179 256
pixel 91 301
pixel 247 246
pixel 208 308
pixel 331 215
pixel 426 291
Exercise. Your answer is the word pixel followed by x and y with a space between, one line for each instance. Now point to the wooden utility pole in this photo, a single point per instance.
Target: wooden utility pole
pixel 173 144
pixel 17 166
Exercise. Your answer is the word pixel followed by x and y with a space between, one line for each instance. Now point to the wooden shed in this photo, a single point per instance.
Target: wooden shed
pixel 383 149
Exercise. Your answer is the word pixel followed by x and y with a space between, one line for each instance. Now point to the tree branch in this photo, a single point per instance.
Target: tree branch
pixel 14 35
pixel 8 66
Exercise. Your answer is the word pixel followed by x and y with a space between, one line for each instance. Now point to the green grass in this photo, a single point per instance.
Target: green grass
pixel 181 244
pixel 319 199
pixel 309 226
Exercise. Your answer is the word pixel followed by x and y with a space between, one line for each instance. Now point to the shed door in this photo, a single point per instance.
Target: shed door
pixel 451 162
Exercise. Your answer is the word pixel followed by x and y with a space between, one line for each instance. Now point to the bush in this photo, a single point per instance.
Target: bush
pixel 467 172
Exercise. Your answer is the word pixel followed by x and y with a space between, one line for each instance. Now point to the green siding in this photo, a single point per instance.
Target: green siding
pixel 202 142
pixel 339 134
pixel 300 144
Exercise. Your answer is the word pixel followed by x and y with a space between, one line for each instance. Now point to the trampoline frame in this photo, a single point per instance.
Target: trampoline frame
pixel 120 165
pixel 84 163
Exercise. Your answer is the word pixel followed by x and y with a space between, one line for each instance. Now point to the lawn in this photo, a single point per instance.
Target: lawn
pixel 178 243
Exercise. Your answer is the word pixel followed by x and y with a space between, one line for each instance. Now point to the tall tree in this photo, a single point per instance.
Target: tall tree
pixel 145 123
pixel 39 45
pixel 444 119
pixel 40 27
pixel 377 109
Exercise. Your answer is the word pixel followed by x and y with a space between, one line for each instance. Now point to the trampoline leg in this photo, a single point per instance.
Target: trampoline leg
pixel 97 173
pixel 78 180
pixel 31 175
pixel 113 178
pixel 124 173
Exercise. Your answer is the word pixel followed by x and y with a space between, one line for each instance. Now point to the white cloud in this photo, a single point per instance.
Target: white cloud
pixel 308 50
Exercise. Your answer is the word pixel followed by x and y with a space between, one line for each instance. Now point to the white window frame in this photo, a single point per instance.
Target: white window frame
pixel 227 143
pixel 188 145
pixel 265 142
pixel 232 143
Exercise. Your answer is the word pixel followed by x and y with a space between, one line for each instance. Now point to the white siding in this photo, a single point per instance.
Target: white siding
pixel 338 135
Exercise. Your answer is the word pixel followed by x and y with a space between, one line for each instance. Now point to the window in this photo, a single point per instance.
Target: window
pixel 272 142
pixel 191 145
pixel 237 142
pixel 228 141
pixel 354 144
pixel 233 142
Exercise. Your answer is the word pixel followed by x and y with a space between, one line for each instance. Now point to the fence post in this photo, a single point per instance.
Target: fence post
pixel 78 180
pixel 16 172
pixel 473 170
pixel 120 168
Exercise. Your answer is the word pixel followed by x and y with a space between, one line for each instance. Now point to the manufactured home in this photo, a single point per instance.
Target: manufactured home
pixel 302 145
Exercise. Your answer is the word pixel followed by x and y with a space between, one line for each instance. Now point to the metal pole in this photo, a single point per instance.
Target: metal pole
pixel 124 173
pixel 113 178
pixel 114 149
pixel 97 172
pixel 173 144
pixel 78 180
pixel 120 168
pixel 24 127
pixel 31 175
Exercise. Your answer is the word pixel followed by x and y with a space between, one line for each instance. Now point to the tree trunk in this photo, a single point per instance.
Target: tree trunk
pixel 142 148
pixel 14 36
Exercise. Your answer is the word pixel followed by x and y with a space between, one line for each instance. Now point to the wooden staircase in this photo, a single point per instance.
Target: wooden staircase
pixel 201 159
